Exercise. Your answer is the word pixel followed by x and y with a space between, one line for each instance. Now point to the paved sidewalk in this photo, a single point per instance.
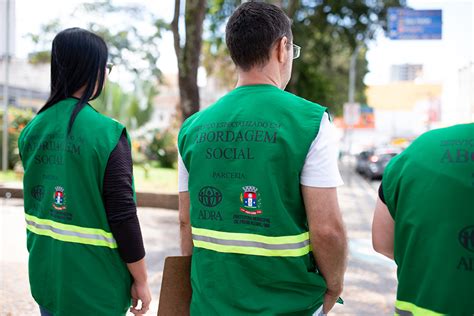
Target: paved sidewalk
pixel 161 237
pixel 370 280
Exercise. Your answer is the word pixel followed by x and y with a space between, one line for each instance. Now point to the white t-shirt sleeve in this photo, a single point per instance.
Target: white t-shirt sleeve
pixel 320 168
pixel 183 175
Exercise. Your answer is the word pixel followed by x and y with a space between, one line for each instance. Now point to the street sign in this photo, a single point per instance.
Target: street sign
pixel 407 24
pixel 351 113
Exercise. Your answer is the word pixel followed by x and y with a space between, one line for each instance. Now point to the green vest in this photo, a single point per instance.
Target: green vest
pixel 74 264
pixel 429 191
pixel 252 253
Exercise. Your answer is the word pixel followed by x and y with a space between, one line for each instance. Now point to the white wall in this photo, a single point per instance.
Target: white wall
pixel 459 37
pixel 25 75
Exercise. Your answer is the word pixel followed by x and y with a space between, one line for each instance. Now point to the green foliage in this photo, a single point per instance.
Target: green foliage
pixel 41 57
pixel 9 176
pixel 129 39
pixel 42 42
pixel 131 109
pixel 163 148
pixel 16 122
pixel 124 40
pixel 216 59
pixel 328 32
pixel 130 48
pixel 154 179
pixel 217 62
pixel 321 74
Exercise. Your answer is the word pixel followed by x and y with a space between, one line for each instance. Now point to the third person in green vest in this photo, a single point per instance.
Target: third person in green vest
pixel 424 220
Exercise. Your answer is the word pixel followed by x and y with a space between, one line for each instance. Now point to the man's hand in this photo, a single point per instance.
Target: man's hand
pixel 330 299
pixel 140 292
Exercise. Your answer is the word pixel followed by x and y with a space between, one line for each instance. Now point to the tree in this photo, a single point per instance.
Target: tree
pixel 129 46
pixel 42 42
pixel 132 109
pixel 188 52
pixel 328 31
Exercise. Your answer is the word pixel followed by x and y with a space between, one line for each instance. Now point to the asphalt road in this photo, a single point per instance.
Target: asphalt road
pixel 370 282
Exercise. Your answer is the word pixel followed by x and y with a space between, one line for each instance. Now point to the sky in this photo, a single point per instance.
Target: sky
pixel 382 52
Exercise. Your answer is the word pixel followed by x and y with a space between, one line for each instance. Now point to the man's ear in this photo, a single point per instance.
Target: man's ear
pixel 282 51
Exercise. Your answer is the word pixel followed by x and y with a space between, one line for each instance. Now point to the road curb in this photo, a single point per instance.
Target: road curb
pixel 144 199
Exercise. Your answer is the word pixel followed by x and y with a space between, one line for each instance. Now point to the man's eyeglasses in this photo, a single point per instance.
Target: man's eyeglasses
pixel 296 51
pixel 109 67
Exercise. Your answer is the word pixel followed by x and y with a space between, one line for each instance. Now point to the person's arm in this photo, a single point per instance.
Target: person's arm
pixel 185 225
pixel 140 290
pixel 184 209
pixel 122 217
pixel 328 239
pixel 383 229
pixel 319 178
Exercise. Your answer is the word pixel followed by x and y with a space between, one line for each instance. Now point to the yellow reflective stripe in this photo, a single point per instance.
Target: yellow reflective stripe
pixel 415 310
pixel 73 239
pixel 251 237
pixel 72 228
pixel 252 250
pixel 252 244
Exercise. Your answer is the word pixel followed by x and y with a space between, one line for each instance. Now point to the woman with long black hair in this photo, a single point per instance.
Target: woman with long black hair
pixel 86 254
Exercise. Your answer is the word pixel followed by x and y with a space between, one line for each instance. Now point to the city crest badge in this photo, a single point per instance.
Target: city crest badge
pixel 59 199
pixel 250 200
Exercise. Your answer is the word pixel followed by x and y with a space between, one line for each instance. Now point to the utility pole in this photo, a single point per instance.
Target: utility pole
pixel 352 75
pixel 351 98
pixel 5 89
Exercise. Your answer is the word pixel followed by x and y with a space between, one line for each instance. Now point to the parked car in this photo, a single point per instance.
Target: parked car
pixel 372 163
pixel 362 160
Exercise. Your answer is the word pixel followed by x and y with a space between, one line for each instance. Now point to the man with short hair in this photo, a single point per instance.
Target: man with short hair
pixel 258 175
pixel 424 220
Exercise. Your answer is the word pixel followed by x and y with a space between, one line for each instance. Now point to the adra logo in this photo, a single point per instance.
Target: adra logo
pixel 37 192
pixel 466 238
pixel 210 196
pixel 210 215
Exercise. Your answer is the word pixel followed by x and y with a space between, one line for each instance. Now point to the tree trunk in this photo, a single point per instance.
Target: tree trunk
pixel 189 53
pixel 293 6
pixel 291 9
pixel 278 3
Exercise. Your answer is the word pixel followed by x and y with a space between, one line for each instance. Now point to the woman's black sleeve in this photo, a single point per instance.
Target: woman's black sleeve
pixel 119 205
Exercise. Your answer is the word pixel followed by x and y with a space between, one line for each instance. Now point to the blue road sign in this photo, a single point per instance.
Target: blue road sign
pixel 407 24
